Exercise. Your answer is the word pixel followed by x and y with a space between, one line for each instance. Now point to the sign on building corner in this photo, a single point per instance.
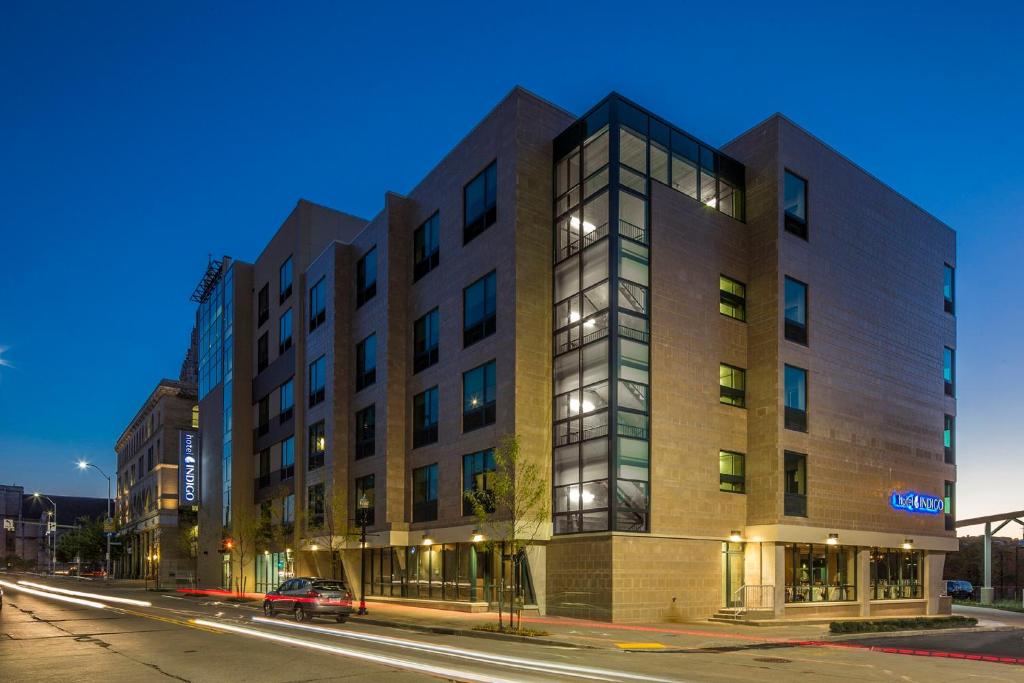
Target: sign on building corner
pixel 188 468
pixel 911 501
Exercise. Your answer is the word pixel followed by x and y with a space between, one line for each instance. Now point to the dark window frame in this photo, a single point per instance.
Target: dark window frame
pixel 366 431
pixel 425 406
pixel 285 291
pixel 949 303
pixel 795 502
pixel 488 323
pixel 794 225
pixel 316 456
pixel 360 487
pixel 481 460
pixel 287 471
pixel 263 352
pixel 263 305
pixel 733 300
pixel 366 290
pixel 426 356
pixel 949 425
pixel 428 260
pixel 285 343
pixel 316 506
pixel 286 413
pixel 486 413
pixel 732 483
pixel 366 377
pixel 424 509
pixel 473 227
pixel 317 395
pixel 950 384
pixel 795 418
pixel 736 398
pixel 318 309
pixel 794 331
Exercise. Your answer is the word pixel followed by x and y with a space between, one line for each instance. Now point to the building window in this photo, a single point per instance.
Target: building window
pixel 795 294
pixel 425 333
pixel 285 274
pixel 317 380
pixel 195 417
pixel 480 205
pixel 286 407
pixel 262 353
pixel 288 509
pixel 732 383
pixel 896 574
pixel 263 304
pixel 478 309
pixel 948 373
pixel 820 573
pixel 284 332
pixel 732 298
pixel 795 484
pixel 264 470
pixel 315 506
pixel 796 398
pixel 365 487
pixel 731 472
pixel 317 445
pixel 288 457
pixel 424 494
pixel 948 291
pixel 477 469
pixel 424 418
pixel 263 416
pixel 478 397
pixel 317 304
pixel 426 252
pixel 366 432
pixel 949 504
pixel 366 362
pixel 366 277
pixel 795 202
pixel 949 439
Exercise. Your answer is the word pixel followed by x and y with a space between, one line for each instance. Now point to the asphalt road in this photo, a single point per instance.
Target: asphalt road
pixel 43 638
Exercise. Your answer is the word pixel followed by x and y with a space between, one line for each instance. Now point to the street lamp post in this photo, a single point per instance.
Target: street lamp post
pixel 83 465
pixel 53 542
pixel 364 507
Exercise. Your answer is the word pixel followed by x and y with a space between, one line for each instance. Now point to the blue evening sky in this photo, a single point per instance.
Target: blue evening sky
pixel 136 139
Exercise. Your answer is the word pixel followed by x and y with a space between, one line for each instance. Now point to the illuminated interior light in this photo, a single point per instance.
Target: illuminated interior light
pixel 590 323
pixel 574 495
pixel 735 537
pixel 587 406
pixel 81 594
pixel 588 227
pixel 52 596
pixel 712 202
pixel 833 539
pixel 574 317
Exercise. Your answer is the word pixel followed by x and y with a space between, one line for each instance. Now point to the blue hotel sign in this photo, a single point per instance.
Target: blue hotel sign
pixel 911 501
pixel 188 468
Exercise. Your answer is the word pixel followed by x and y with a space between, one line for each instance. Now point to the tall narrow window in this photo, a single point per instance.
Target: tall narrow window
pixel 732 472
pixel 285 280
pixel 795 295
pixel 478 309
pixel 795 380
pixel 795 484
pixel 263 475
pixel 317 380
pixel 478 397
pixel 315 506
pixel 732 298
pixel 425 332
pixel 480 203
pixel 286 406
pixel 366 432
pixel 424 494
pixel 365 487
pixel 477 469
pixel 949 504
pixel 366 277
pixel 262 353
pixel 263 416
pixel 425 250
pixel 263 304
pixel 948 371
pixel 317 304
pixel 284 332
pixel 424 418
pixel 948 291
pixel 949 439
pixel 732 383
pixel 288 509
pixel 366 362
pixel 795 203
pixel 288 457
pixel 317 445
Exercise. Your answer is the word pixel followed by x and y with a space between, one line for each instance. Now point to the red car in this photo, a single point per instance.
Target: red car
pixel 308 596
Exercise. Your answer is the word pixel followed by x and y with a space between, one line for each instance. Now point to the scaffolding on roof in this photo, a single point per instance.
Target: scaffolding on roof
pixel 202 292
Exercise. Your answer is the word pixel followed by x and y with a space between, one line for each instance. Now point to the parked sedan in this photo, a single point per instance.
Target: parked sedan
pixel 308 596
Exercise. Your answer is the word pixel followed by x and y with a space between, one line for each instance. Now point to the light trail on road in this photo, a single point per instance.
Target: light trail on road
pixel 357 654
pixel 81 594
pixel 53 596
pixel 472 655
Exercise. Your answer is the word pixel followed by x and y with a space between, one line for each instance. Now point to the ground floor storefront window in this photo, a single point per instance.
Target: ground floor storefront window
pixel 450 571
pixel 896 574
pixel 820 573
pixel 272 569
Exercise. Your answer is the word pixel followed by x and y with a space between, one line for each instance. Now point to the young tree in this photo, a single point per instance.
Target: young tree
pixel 245 536
pixel 188 540
pixel 513 507
pixel 86 542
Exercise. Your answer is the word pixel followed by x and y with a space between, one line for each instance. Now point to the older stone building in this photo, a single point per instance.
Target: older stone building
pixel 735 366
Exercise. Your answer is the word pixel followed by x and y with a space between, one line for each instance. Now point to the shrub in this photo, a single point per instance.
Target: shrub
pixel 903 624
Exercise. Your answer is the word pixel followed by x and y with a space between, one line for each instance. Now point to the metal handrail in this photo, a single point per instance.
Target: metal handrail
pixel 754 596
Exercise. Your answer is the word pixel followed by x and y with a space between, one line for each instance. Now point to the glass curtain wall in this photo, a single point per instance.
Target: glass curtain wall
pixel 605 165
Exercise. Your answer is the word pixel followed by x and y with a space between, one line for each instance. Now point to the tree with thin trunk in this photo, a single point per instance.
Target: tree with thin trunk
pixel 513 506
pixel 246 528
pixel 334 531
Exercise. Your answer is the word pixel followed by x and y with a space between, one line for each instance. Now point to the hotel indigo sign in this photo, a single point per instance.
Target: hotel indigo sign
pixel 188 468
pixel 911 501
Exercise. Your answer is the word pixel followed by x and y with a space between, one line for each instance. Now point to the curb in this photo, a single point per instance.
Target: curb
pixel 470 633
pixel 838 638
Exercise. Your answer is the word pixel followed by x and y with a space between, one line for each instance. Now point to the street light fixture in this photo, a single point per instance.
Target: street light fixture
pixel 476 536
pixel 833 539
pixel 84 465
pixel 735 537
pixel 363 512
pixel 53 544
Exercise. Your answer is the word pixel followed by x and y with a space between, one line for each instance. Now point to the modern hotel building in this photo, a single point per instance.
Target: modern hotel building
pixel 735 366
